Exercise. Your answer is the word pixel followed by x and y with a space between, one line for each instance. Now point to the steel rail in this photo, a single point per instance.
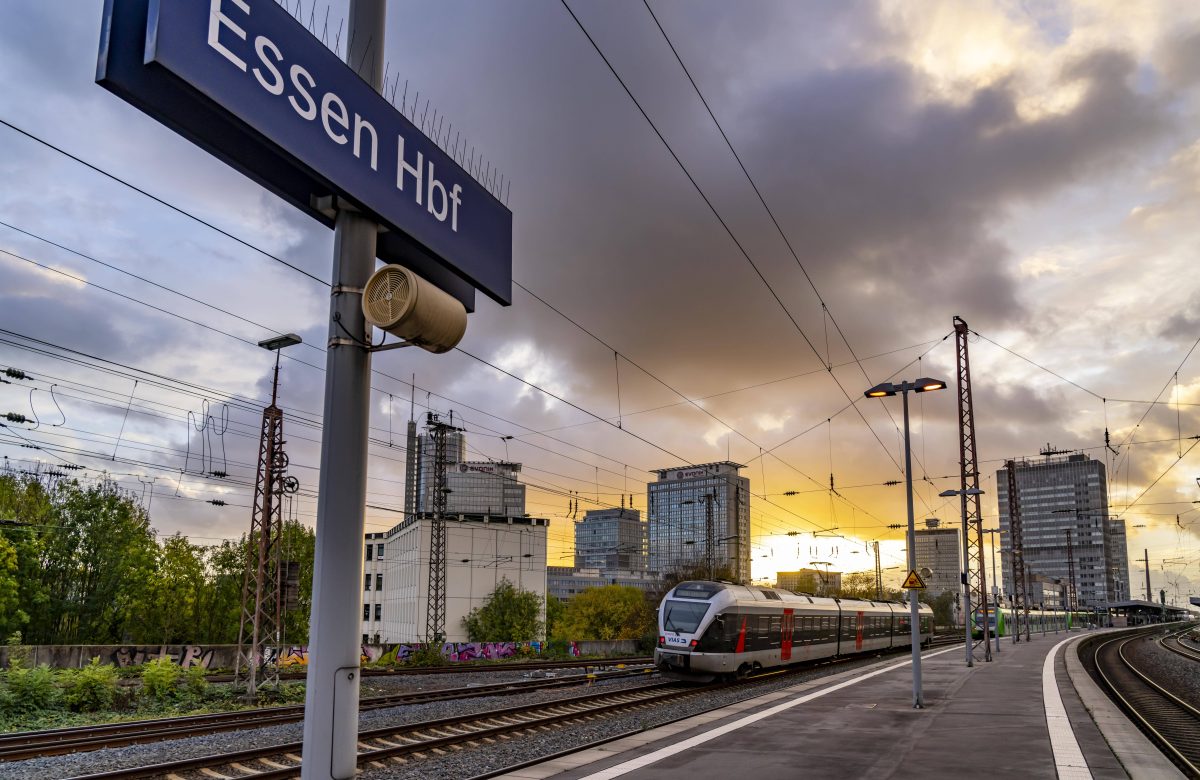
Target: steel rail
pixel 1173 643
pixel 1170 722
pixel 284 760
pixel 23 745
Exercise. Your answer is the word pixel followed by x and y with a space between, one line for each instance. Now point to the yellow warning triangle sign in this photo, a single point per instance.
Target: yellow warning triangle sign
pixel 913 582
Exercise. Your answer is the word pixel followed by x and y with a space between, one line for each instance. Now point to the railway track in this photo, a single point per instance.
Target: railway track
pixel 459 667
pixel 1171 723
pixel 1173 643
pixel 32 744
pixel 398 744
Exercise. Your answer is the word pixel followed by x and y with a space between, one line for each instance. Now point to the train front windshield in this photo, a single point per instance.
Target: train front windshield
pixel 683 617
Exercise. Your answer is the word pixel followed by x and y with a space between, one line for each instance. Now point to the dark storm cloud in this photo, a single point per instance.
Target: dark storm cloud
pixel 898 199
pixel 1181 60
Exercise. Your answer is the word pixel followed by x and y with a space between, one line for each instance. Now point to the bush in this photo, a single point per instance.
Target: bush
pixel 428 655
pixel 195 682
pixel 30 690
pixel 159 678
pixel 91 688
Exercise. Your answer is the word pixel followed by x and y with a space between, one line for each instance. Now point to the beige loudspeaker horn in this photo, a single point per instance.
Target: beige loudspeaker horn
pixel 400 302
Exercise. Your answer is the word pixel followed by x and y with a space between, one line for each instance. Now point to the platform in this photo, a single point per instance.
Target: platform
pixel 1018 716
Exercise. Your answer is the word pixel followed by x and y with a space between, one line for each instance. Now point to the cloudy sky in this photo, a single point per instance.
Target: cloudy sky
pixel 1033 168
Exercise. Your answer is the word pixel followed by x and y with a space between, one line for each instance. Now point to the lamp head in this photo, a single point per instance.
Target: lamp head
pixel 926 384
pixel 881 390
pixel 279 342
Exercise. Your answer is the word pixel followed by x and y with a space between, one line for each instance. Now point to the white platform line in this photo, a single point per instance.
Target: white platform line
pixel 658 755
pixel 1068 758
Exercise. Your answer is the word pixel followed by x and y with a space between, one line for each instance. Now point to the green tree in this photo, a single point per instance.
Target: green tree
pixel 508 615
pixel 608 612
pixel 942 605
pixel 219 607
pixel 12 617
pixel 168 602
pixel 95 564
pixel 861 585
pixel 555 610
pixel 298 543
pixel 25 502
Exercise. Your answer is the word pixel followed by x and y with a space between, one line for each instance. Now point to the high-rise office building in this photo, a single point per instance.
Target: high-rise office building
pixel 940 551
pixel 475 487
pixel 611 539
pixel 818 582
pixel 1057 494
pixel 677 506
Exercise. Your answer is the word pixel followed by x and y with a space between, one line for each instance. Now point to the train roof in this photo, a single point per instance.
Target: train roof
pixel 703 589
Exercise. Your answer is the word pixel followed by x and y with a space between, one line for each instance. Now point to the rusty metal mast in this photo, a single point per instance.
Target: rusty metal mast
pixel 1020 571
pixel 878 573
pixel 1070 572
pixel 969 480
pixel 262 584
pixel 435 605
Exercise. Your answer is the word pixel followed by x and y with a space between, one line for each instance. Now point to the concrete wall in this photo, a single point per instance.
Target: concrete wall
pixel 222 656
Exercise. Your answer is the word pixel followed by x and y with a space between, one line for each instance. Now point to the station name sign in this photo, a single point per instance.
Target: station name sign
pixel 248 83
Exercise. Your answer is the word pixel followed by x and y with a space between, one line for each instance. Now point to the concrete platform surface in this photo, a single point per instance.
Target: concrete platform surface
pixel 1018 716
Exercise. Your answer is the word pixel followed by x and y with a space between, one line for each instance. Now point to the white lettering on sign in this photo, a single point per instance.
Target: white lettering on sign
pixel 442 202
pixel 216 20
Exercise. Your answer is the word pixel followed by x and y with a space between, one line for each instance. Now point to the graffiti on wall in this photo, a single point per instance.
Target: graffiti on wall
pixel 451 651
pixel 186 656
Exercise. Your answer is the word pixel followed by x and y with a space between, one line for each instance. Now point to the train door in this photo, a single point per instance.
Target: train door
pixel 785 648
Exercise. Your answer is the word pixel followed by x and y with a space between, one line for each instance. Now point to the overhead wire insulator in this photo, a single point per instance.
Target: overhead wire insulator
pixel 16 417
pixel 15 373
pixel 216 502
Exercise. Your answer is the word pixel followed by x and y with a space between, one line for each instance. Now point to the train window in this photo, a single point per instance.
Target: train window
pixel 696 590
pixel 775 631
pixel 683 617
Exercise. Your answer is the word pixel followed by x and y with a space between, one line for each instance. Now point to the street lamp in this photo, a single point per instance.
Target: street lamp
pixel 970 615
pixel 883 390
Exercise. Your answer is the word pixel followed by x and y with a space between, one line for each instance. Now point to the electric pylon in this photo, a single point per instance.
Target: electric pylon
pixel 262 584
pixel 969 480
pixel 435 605
pixel 1020 572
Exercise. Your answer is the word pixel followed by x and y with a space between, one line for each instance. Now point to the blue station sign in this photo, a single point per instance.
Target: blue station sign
pixel 248 83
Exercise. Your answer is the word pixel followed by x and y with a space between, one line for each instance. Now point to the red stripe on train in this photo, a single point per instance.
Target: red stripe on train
pixel 741 643
pixel 785 649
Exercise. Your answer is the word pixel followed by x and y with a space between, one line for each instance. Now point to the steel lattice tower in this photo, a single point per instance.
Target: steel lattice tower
pixel 262 585
pixel 435 604
pixel 1020 572
pixel 969 479
pixel 878 573
pixel 1070 572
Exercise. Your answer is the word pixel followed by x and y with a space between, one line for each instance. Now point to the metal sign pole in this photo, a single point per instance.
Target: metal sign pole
pixel 331 698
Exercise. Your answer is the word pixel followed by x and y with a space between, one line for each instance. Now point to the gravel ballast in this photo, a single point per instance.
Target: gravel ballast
pixel 1179 675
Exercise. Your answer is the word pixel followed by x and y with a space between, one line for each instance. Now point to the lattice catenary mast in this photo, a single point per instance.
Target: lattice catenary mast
pixel 969 480
pixel 435 605
pixel 263 582
pixel 1020 572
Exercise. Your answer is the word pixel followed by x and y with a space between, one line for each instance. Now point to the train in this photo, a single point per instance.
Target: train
pixel 718 630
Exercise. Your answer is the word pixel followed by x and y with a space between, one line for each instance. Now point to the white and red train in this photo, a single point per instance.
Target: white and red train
pixel 715 629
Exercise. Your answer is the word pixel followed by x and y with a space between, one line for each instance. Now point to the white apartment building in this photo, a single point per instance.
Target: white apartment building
pixel 481 551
